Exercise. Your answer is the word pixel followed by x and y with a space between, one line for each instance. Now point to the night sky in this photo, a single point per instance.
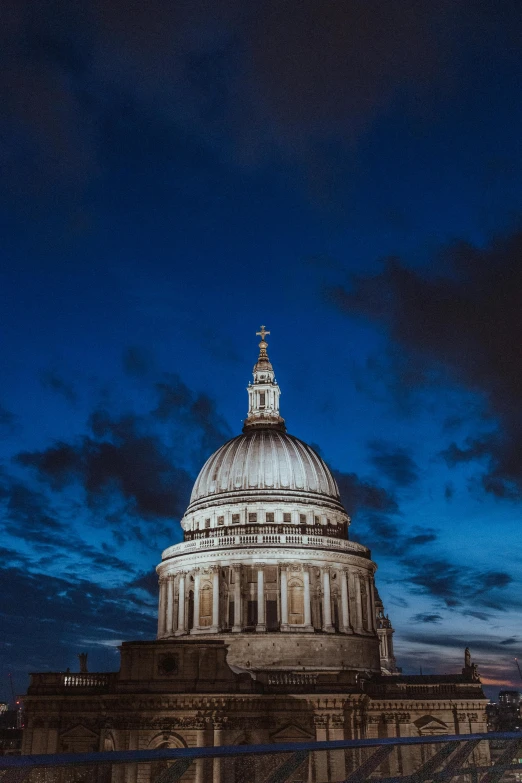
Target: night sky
pixel 175 174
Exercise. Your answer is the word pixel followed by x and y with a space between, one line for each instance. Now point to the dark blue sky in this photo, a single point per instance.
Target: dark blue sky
pixel 174 175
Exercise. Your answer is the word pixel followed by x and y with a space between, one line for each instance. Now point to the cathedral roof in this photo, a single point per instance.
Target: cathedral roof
pixel 264 458
pixel 265 462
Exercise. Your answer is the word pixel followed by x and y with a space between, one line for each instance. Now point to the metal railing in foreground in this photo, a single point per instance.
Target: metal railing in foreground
pixel 472 758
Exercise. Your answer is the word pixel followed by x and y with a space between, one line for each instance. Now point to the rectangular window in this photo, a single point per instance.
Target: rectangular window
pixel 235 519
pixel 302 519
pixel 230 613
pixel 261 399
pixel 207 522
pixel 270 517
pixel 287 517
pixel 317 520
pixel 221 520
pixel 252 517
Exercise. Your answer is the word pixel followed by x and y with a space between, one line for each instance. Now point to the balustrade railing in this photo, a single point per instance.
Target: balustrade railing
pixel 266 539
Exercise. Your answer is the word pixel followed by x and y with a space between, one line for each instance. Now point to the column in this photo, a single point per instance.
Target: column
pixel 337 760
pixel 200 743
pixel 320 756
pixel 327 602
pixel 215 599
pixel 369 624
pixel 345 606
pixel 219 725
pixel 170 604
pixel 358 603
pixel 372 596
pixel 181 605
pixel 284 598
pixel 261 620
pixel 197 580
pixel 237 599
pixel 307 605
pixel 161 607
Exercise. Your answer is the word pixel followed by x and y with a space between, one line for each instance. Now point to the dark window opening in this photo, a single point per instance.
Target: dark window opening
pixel 261 399
pixel 231 614
pixel 271 616
pixel 191 610
pixel 302 519
pixel 235 519
pixel 252 613
pixel 221 520
pixel 252 517
pixel 287 517
pixel 270 517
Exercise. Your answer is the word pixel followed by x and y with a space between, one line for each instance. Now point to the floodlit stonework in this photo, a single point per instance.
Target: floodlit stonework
pixel 270 628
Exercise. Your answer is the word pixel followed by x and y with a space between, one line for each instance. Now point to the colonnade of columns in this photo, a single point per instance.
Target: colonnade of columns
pixel 179 611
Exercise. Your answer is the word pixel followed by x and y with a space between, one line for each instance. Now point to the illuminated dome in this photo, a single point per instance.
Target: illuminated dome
pixel 264 459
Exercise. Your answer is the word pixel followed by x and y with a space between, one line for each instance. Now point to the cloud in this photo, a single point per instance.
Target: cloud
pixel 396 464
pixel 358 494
pixel 137 362
pixel 426 618
pixel 458 326
pixel 376 510
pixel 26 513
pixel 456 586
pixel 53 381
pixel 281 82
pixel 123 456
pixel 135 470
pixel 59 613
pixel 7 421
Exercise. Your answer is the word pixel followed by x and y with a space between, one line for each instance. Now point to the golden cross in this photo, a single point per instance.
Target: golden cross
pixel 262 333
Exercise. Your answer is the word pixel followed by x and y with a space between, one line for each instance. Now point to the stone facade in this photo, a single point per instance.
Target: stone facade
pixel 270 629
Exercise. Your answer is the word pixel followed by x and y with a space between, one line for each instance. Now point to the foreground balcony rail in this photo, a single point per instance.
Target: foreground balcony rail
pixel 472 758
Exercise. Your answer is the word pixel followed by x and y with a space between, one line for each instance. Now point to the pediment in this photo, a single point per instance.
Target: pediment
pixel 79 731
pixel 291 733
pixel 428 724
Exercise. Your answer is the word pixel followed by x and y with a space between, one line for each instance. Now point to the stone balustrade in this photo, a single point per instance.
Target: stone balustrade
pixel 266 539
pixel 58 682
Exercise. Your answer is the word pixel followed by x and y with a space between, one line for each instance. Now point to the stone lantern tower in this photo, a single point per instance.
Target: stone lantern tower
pixel 266 562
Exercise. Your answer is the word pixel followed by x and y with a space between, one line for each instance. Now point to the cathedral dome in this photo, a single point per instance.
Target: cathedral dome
pixel 264 459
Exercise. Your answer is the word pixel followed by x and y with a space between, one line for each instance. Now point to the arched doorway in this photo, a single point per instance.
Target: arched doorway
pixel 158 768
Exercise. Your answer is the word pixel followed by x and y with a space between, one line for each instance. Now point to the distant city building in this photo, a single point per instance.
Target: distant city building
pixel 270 628
pixel 10 730
pixel 506 714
